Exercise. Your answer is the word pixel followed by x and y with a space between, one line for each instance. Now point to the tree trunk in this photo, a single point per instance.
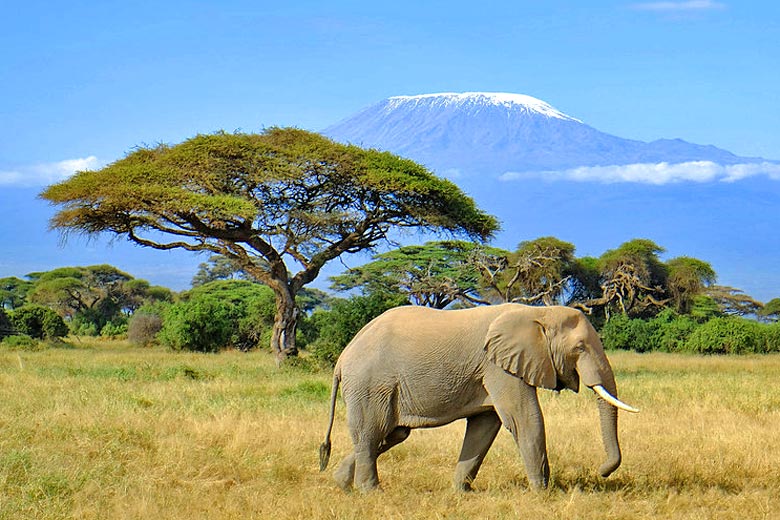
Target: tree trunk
pixel 285 325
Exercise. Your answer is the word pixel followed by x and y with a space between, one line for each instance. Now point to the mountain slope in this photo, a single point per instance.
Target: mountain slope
pixel 477 132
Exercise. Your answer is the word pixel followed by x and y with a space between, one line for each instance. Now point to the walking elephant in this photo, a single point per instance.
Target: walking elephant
pixel 416 367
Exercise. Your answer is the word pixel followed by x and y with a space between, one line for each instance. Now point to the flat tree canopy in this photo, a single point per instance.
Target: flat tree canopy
pixel 264 199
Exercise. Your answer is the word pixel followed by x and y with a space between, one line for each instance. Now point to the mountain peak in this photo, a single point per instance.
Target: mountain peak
pixel 509 101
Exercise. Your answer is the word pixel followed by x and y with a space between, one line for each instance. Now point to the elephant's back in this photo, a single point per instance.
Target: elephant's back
pixel 412 336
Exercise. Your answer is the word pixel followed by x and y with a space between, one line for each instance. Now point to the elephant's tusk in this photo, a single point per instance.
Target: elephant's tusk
pixel 614 401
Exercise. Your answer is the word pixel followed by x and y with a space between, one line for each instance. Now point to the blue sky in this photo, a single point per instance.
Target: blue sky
pixel 85 81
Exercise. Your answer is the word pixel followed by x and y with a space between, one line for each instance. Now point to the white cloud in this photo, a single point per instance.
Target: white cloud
pixel 47 173
pixel 655 173
pixel 690 5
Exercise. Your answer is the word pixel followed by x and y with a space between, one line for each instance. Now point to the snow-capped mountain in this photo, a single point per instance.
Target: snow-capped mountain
pixel 498 132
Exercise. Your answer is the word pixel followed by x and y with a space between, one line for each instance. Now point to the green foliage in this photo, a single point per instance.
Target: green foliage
pixel 116 328
pixel 244 315
pixel 772 337
pixel 13 292
pixel 622 332
pixel 202 325
pixel 771 310
pixel 667 332
pixel 20 343
pixel 93 297
pixel 727 335
pixel 671 331
pixel 633 278
pixel 217 267
pixel 434 274
pixel 687 278
pixel 38 322
pixel 542 268
pixel 336 327
pixel 704 308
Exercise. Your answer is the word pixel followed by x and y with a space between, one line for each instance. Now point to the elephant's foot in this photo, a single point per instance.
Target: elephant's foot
pixel 463 487
pixel 539 484
pixel 345 473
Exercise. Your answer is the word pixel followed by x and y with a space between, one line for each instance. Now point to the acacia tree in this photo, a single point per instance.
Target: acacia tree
pixel 217 267
pixel 632 278
pixel 544 268
pixel 541 272
pixel 13 292
pixel 263 200
pixel 771 310
pixel 434 274
pixel 688 278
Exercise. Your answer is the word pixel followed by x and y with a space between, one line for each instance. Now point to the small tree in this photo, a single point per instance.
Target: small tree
pixel 38 322
pixel 13 292
pixel 202 324
pixel 688 278
pixel 263 200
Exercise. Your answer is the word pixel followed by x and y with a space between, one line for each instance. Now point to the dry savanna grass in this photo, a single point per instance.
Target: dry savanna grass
pixel 109 431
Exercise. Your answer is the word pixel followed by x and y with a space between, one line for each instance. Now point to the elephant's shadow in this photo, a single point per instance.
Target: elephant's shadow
pixel 628 484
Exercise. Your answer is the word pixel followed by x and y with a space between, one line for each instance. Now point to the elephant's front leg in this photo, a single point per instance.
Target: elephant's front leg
pixel 481 430
pixel 518 407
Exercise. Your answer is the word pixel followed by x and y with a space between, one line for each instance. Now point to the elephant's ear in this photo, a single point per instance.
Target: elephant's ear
pixel 518 344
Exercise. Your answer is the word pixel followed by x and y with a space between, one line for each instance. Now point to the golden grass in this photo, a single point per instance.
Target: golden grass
pixel 108 431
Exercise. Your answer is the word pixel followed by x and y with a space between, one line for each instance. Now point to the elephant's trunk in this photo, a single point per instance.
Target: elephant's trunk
pixel 594 371
pixel 608 415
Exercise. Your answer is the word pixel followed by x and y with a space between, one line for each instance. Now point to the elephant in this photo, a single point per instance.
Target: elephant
pixel 417 367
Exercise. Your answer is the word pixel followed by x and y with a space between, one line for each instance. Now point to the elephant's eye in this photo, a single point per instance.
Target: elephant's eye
pixel 580 348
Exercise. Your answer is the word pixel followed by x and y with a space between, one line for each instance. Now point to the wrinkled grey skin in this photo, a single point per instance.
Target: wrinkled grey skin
pixel 416 367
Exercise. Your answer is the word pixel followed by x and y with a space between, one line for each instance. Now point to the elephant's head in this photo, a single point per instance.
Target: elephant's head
pixel 557 348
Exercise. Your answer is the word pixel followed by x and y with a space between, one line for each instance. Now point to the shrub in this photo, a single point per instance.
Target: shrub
pixel 38 322
pixel 255 321
pixel 727 336
pixel 204 324
pixel 772 337
pixel 81 325
pixel 671 331
pixel 115 328
pixel 20 343
pixel 622 332
pixel 143 327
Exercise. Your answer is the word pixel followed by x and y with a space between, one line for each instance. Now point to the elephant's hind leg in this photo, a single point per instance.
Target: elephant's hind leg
pixel 481 430
pixel 372 424
pixel 345 474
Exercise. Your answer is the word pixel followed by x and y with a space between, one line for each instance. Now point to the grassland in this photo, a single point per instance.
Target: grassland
pixel 107 431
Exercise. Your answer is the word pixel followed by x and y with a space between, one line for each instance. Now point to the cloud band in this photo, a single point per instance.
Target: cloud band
pixel 655 173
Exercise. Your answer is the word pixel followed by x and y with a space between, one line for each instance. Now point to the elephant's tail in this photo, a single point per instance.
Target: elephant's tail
pixel 325 446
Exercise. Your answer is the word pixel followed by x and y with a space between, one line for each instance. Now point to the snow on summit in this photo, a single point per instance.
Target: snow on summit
pixel 510 101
